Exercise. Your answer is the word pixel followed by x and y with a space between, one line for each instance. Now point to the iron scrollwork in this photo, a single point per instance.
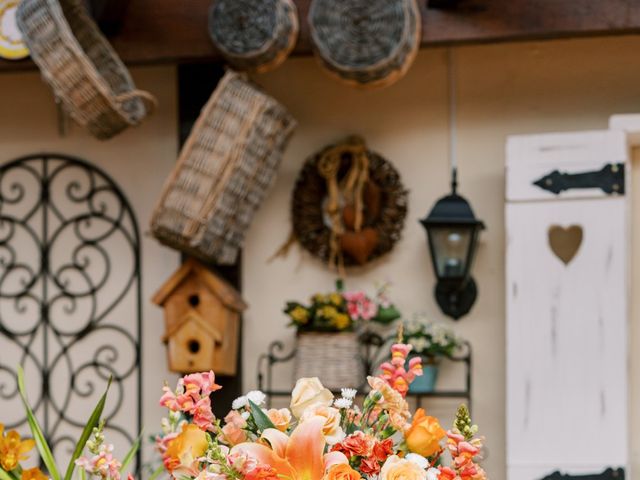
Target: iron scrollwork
pixel 70 299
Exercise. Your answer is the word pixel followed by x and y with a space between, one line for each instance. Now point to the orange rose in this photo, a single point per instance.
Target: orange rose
pixel 186 448
pixel 424 435
pixel 342 471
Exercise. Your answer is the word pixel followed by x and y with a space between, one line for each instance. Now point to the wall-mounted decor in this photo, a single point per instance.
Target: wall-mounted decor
pixel 255 35
pixel 453 232
pixel 366 43
pixel 567 306
pixel 83 70
pixel 70 304
pixel 12 46
pixel 202 319
pixel 224 171
pixel 348 205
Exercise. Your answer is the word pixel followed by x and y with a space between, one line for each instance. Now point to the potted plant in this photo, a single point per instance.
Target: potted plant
pixel 328 330
pixel 431 341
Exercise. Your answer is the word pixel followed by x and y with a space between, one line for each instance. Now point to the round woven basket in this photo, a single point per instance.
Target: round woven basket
pixel 332 357
pixel 83 70
pixel 224 171
pixel 255 35
pixel 367 43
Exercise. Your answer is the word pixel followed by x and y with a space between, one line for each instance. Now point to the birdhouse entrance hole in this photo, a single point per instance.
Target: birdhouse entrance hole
pixel 193 346
pixel 194 300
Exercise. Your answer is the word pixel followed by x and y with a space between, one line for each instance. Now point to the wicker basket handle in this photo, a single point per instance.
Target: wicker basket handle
pixel 150 102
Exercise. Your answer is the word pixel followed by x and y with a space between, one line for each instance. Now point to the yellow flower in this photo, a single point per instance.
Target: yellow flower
pixel 186 448
pixel 341 321
pixel 300 314
pixel 329 312
pixel 336 299
pixel 33 474
pixel 12 449
pixel 319 298
pixel 396 468
pixel 424 435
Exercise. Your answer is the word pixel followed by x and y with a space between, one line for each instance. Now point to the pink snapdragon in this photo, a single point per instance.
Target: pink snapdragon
pixel 192 397
pixel 395 373
pixel 359 306
pixel 103 464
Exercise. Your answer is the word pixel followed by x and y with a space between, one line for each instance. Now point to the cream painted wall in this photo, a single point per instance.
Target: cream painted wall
pixel 502 89
pixel 138 160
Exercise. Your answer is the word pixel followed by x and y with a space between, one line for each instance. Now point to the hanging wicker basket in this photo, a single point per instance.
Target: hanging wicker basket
pixel 81 67
pixel 366 43
pixel 255 35
pixel 224 171
pixel 332 357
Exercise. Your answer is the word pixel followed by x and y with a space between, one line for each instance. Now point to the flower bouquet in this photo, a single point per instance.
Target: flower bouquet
pixel 100 464
pixel 327 341
pixel 319 437
pixel 431 341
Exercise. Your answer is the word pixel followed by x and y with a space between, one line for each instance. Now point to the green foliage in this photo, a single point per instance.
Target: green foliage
pixel 262 421
pixel 463 423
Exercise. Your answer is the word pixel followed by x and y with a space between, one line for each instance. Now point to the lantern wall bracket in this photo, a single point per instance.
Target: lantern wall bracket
pixel 610 179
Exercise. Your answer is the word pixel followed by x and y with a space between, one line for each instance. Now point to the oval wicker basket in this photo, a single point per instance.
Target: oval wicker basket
pixel 81 67
pixel 332 357
pixel 255 35
pixel 224 171
pixel 366 43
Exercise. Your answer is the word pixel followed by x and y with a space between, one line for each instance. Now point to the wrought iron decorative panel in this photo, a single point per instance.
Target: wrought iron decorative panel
pixel 70 304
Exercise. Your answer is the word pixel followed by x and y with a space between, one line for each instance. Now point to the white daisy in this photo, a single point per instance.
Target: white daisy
pixel 349 393
pixel 240 402
pixel 342 403
pixel 257 397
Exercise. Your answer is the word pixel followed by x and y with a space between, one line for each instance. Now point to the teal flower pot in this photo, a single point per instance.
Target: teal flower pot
pixel 425 383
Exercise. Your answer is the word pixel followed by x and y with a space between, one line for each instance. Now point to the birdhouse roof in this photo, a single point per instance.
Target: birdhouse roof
pixel 228 295
pixel 191 317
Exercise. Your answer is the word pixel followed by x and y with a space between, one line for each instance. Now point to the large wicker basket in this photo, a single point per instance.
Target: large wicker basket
pixel 224 171
pixel 366 43
pixel 83 70
pixel 334 358
pixel 254 35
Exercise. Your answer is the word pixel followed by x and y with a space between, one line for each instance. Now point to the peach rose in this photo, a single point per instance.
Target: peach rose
pixel 331 430
pixel 341 471
pixel 233 431
pixel 396 468
pixel 424 435
pixel 307 392
pixel 281 418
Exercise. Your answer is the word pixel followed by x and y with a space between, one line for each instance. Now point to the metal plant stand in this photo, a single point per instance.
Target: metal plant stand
pixel 70 303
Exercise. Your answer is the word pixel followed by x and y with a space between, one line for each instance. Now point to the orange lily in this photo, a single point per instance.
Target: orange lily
pixel 298 457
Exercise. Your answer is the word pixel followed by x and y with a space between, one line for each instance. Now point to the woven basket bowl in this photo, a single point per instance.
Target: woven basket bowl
pixel 332 357
pixel 254 35
pixel 224 172
pixel 366 43
pixel 83 70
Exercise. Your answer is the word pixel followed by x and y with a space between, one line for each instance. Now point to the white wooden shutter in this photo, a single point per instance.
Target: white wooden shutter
pixel 566 324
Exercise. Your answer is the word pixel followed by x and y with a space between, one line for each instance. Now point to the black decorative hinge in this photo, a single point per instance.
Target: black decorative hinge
pixel 608 474
pixel 610 179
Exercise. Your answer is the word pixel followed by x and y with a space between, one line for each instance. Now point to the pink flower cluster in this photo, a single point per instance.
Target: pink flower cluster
pixel 103 464
pixel 359 306
pixel 250 468
pixel 463 454
pixel 395 373
pixel 192 397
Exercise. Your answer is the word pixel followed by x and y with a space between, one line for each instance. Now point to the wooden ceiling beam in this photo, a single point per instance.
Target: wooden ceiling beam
pixel 161 31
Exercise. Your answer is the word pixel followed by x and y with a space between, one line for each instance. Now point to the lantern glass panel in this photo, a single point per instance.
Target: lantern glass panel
pixel 450 249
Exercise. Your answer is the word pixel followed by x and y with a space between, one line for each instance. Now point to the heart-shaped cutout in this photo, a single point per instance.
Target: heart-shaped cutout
pixel 359 245
pixel 565 241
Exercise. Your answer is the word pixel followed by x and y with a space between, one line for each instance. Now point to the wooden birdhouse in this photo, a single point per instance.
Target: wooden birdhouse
pixel 202 320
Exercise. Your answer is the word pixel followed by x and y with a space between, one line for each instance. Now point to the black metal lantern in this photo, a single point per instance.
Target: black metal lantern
pixel 453 231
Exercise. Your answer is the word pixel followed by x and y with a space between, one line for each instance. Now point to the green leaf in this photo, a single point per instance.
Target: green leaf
pixel 262 421
pixel 36 431
pixel 156 473
pixel 93 421
pixel 83 474
pixel 132 453
pixel 4 475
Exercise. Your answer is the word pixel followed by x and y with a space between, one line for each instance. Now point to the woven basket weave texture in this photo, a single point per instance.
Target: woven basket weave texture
pixel 224 171
pixel 332 357
pixel 255 35
pixel 81 67
pixel 366 43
